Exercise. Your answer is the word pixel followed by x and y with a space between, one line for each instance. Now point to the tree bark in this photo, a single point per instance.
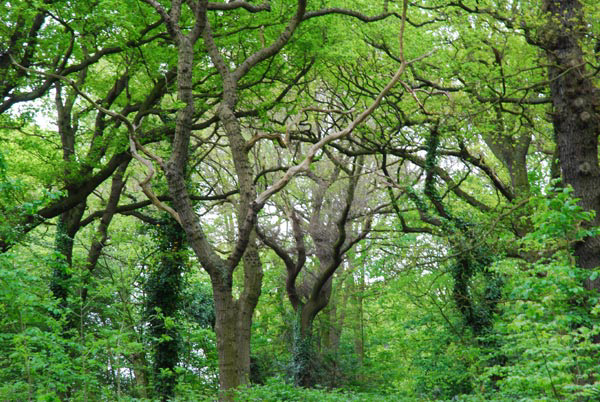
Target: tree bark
pixel 575 116
pixel 247 302
pixel 225 329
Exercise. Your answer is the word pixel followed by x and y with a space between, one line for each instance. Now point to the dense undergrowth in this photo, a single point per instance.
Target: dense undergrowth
pixel 404 345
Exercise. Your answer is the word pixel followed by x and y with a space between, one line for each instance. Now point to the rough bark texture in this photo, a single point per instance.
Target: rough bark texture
pixel 575 116
pixel 225 329
pixel 248 300
pixel 246 303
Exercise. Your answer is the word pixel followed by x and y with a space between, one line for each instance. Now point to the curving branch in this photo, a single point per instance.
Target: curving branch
pixel 128 208
pixel 261 199
pixel 275 47
pixel 293 268
pixel 101 238
pixel 351 13
pixel 233 5
pixel 315 148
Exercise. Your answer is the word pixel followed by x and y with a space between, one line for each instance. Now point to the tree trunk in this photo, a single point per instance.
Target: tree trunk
pixel 358 322
pixel 247 302
pixel 233 323
pixel 66 229
pixel 227 310
pixel 302 349
pixel 575 117
pixel 251 260
pixel 227 339
pixel 512 151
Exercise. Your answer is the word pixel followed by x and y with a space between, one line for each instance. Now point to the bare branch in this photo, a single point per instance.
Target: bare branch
pixel 314 149
pixel 273 136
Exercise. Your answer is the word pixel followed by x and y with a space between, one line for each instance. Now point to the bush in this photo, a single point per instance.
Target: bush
pixel 276 389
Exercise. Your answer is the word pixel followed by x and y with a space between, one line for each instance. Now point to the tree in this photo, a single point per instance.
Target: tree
pixel 574 115
pixel 331 234
pixel 32 71
pixel 233 317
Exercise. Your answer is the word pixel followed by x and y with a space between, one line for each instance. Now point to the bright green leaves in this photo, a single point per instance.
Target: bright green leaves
pixel 548 320
pixel 559 220
pixel 36 361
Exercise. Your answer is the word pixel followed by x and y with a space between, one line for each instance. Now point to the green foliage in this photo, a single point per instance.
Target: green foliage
pixel 548 326
pixel 39 361
pixel 443 364
pixel 559 220
pixel 276 389
pixel 9 196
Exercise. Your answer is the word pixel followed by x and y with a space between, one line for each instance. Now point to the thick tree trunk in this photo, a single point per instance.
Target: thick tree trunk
pixel 226 308
pixel 69 221
pixel 314 307
pixel 575 117
pixel 233 323
pixel 227 340
pixel 251 260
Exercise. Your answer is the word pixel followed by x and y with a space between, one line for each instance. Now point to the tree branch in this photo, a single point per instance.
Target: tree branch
pixel 232 5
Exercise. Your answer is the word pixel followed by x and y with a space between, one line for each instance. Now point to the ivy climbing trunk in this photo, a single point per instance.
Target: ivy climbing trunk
pixel 69 221
pixel 163 294
pixel 66 228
